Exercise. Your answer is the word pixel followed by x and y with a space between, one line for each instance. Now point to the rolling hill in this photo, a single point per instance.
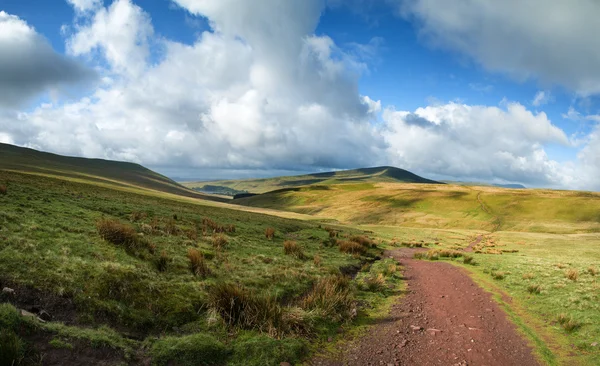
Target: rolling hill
pixel 107 172
pixel 365 175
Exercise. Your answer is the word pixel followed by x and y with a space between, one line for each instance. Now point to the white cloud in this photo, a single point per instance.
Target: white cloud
pixel 476 142
pixel 555 41
pixel 85 5
pixel 541 98
pixel 29 65
pixel 121 33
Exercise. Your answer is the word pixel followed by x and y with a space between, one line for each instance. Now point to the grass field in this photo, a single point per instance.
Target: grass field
pixel 128 276
pixel 540 249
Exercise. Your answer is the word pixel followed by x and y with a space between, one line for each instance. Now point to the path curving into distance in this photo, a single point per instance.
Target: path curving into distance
pixel 444 319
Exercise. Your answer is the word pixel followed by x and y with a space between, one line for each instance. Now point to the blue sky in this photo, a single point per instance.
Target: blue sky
pixel 211 89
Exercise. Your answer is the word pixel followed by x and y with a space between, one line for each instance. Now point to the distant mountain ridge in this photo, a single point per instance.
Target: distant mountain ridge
pixel 368 175
pixel 94 170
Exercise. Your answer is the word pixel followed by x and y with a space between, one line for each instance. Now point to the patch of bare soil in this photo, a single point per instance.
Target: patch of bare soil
pixel 444 319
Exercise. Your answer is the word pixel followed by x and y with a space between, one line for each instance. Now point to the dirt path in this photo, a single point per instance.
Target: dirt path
pixel 473 243
pixel 444 319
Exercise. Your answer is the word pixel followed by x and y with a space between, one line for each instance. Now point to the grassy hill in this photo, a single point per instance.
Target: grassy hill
pixel 99 171
pixel 122 275
pixel 365 175
pixel 441 206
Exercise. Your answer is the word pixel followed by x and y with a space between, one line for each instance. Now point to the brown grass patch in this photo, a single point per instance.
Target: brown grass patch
pixel 219 241
pixel 592 271
pixel 119 234
pixel 290 247
pixel 3 189
pixel 351 247
pixel 331 297
pixel 270 233
pixel 198 264
pixel 572 274
pixel 162 262
pixel 317 260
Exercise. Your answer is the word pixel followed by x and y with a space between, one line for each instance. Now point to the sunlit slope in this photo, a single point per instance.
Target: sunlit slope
pixel 441 206
pixel 370 175
pixel 114 173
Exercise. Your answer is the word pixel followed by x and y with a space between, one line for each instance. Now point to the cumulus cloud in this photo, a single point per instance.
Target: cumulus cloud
pixel 85 5
pixel 29 65
pixel 555 41
pixel 259 91
pixel 476 142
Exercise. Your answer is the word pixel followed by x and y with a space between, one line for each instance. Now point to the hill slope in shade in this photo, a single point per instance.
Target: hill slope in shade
pixel 114 173
pixel 366 175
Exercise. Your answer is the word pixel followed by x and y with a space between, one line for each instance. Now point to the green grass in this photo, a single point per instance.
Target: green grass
pixel 53 242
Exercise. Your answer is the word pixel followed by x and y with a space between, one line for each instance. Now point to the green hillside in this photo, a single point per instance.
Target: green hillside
pixel 366 175
pixel 108 172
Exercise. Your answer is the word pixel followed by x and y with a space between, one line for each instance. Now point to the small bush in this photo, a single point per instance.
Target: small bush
pixel 162 262
pixel 12 348
pixel 198 265
pixel 572 274
pixel 331 297
pixel 119 234
pixel 534 289
pixel 270 233
pixel 498 275
pixel 292 248
pixel 3 189
pixel 189 350
pixel 568 322
pixel 219 241
pixel 592 271
pixel 351 247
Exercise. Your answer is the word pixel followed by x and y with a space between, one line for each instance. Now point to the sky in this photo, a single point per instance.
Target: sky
pixel 470 90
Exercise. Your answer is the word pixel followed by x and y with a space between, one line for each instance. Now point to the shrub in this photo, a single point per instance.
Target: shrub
pixel 572 274
pixel 568 322
pixel 240 308
pixel 331 297
pixel 592 271
pixel 189 350
pixel 534 289
pixel 317 260
pixel 270 233
pixel 162 261
pixel 12 348
pixel 351 247
pixel 219 241
pixel 3 189
pixel 198 265
pixel 119 234
pixel 290 247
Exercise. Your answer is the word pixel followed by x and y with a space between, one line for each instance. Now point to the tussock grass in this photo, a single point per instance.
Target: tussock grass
pixel 189 350
pixel 3 189
pixel 162 261
pixel 498 275
pixel 351 247
pixel 219 241
pixel 592 271
pixel 375 283
pixel 291 247
pixel 572 274
pixel 243 309
pixel 12 348
pixel 270 233
pixel 317 260
pixel 363 240
pixel 528 276
pixel 119 234
pixel 331 297
pixel 534 289
pixel 568 323
pixel 198 264
pixel 468 259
